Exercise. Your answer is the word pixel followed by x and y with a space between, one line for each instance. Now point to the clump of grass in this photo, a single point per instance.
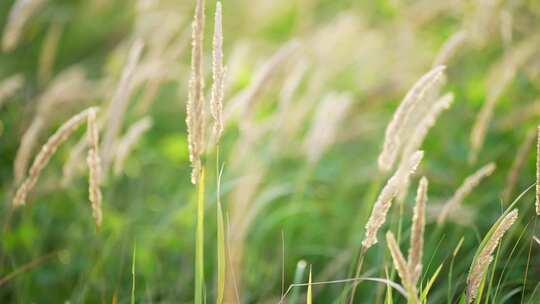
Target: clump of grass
pixel 381 207
pixel 484 254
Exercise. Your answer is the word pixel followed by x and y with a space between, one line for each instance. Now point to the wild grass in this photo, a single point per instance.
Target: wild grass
pixel 302 150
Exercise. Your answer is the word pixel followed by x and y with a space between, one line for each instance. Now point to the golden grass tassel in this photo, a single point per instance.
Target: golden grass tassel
pixel 417 232
pixel 384 201
pixel 400 123
pixel 484 255
pixel 195 106
pixel 402 268
pixel 218 75
pixel 468 185
pixel 94 167
pixel 47 151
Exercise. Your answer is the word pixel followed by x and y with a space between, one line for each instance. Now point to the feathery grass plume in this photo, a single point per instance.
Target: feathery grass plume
pixel 384 201
pixel 450 47
pixel 291 85
pixel 484 254
pixel 218 75
pixel 48 51
pixel 19 14
pixel 118 105
pixel 499 77
pixel 468 185
pixel 195 119
pixel 47 151
pixel 127 142
pixel 518 114
pixel 417 232
pixel 480 23
pixel 397 127
pixel 417 138
pixel 517 165
pixel 68 86
pixel 9 86
pixel 402 268
pixel 243 102
pixel 24 153
pixel 538 173
pixel 94 167
pixel 328 117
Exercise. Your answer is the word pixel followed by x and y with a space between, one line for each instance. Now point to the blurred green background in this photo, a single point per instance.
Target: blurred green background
pixel 371 50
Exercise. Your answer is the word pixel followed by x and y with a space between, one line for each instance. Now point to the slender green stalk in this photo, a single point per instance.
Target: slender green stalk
pixel 199 242
pixel 133 274
pixel 220 236
pixel 298 279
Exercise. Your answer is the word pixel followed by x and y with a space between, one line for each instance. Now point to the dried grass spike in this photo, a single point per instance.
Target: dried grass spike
pixel 20 13
pixel 417 232
pixel 500 76
pixel 517 165
pixel 468 185
pixel 195 106
pixel 47 151
pixel 119 104
pixel 94 167
pixel 401 266
pixel 218 75
pixel 393 140
pixel 27 146
pixel 484 255
pixel 9 86
pixel 384 200
pixel 450 47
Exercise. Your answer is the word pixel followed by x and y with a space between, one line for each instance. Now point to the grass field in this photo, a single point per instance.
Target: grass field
pixel 269 151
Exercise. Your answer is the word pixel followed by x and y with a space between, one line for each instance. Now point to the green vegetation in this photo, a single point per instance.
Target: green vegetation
pixel 284 195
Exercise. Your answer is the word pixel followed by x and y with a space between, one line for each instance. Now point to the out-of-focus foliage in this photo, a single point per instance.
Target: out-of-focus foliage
pixel 277 197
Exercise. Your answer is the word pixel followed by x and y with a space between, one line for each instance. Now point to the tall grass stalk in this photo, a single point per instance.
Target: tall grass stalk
pixel 298 279
pixel 221 264
pixel 199 241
